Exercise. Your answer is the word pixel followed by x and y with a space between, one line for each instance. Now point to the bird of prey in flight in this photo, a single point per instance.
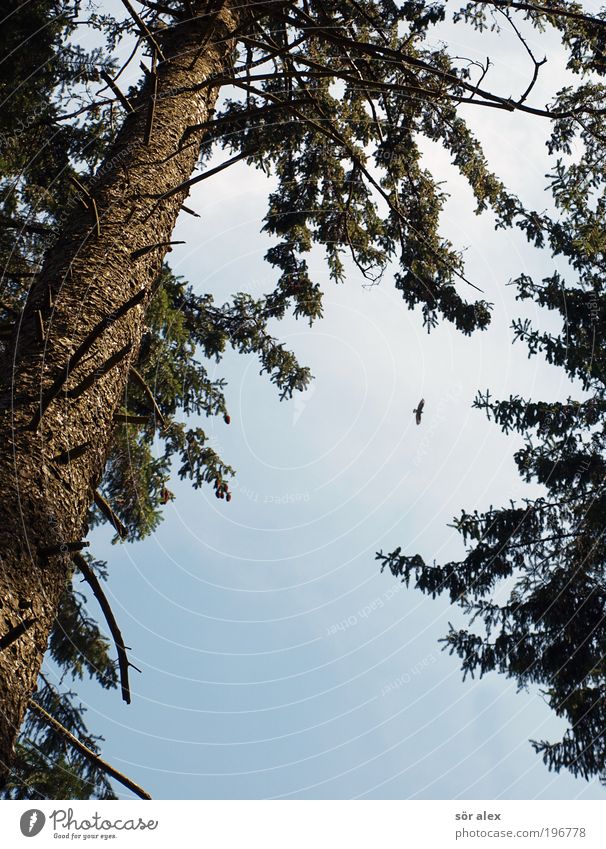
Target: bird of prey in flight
pixel 419 411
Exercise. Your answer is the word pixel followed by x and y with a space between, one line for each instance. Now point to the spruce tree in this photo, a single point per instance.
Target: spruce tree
pixel 104 350
pixel 550 632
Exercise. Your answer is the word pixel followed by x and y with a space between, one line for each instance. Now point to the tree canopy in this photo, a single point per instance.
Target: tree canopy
pixel 549 551
pixel 333 100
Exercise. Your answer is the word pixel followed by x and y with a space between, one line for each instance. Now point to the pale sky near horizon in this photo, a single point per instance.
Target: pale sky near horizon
pixel 278 662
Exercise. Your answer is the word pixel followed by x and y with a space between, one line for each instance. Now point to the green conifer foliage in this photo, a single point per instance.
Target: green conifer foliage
pixel 332 98
pixel 551 631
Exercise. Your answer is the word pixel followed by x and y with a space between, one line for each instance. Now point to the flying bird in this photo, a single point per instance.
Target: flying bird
pixel 418 412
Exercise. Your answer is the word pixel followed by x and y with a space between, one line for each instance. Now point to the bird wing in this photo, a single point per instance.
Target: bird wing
pixel 419 411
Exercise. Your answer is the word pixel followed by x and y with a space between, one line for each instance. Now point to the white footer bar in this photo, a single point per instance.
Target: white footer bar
pixel 305 824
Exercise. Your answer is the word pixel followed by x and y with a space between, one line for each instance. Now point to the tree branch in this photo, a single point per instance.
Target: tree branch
pixel 102 370
pixel 383 53
pixel 14 633
pixel 143 29
pixel 187 184
pixel 123 661
pixel 149 248
pixel 121 97
pixel 88 753
pixel 128 418
pixel 62 548
pixel 151 109
pixel 544 10
pixel 145 388
pixel 109 514
pixel 333 134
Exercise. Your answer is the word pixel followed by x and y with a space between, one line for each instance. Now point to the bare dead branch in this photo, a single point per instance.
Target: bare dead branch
pixel 190 211
pixel 102 370
pixel 14 633
pixel 72 453
pixel 81 188
pixel 109 514
pixel 159 7
pixel 96 214
pixel 151 109
pixel 88 753
pixel 149 394
pixel 149 248
pixel 62 548
pixel 121 97
pixel 143 29
pixel 89 106
pixel 536 63
pixel 95 585
pixel 187 184
pixel 129 418
pixel 40 326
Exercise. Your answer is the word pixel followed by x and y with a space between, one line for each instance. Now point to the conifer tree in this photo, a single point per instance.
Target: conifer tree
pixel 104 350
pixel 550 632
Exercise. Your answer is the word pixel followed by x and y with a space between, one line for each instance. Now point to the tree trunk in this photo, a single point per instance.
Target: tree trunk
pixel 60 389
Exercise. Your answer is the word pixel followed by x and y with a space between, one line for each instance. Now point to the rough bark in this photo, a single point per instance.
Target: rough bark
pixel 92 293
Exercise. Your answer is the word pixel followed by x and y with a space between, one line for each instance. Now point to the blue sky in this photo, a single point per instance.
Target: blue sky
pixel 277 660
